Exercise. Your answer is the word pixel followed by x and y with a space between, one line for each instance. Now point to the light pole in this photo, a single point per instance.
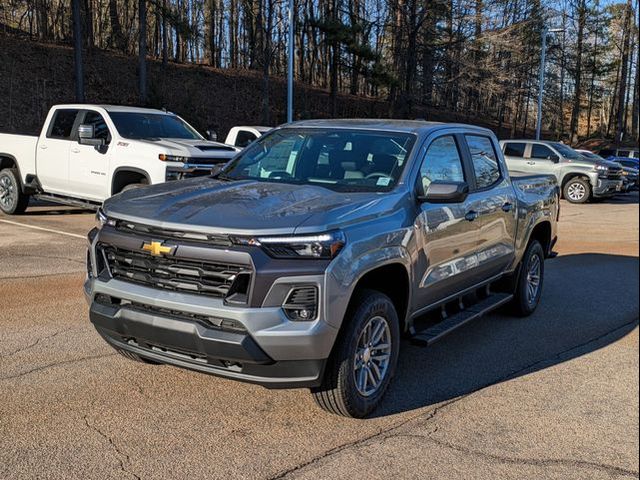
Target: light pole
pixel 290 63
pixel 543 56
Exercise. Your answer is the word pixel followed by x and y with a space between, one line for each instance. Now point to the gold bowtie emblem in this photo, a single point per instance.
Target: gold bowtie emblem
pixel 155 248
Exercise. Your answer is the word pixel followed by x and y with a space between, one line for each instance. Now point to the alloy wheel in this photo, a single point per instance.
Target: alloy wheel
pixel 372 356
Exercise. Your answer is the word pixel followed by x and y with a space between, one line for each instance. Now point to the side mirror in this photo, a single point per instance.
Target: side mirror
pixel 444 192
pixel 554 158
pixel 212 135
pixel 86 136
pixel 217 168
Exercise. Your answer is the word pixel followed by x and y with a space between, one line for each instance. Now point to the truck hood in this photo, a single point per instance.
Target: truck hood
pixel 193 148
pixel 244 207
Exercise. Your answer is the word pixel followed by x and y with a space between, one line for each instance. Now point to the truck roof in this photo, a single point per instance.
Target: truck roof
pixel 407 126
pixel 111 108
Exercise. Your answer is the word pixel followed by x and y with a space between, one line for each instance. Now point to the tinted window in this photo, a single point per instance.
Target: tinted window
pixel 635 154
pixel 62 125
pixel 623 153
pixel 540 151
pixel 442 162
pixel 152 125
pixel 99 125
pixel 342 160
pixel 514 149
pixel 607 153
pixel 485 161
pixel 244 138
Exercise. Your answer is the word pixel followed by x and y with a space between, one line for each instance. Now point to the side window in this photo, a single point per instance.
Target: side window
pixel 244 138
pixel 99 125
pixel 484 159
pixel 62 124
pixel 512 149
pixel 541 151
pixel 442 162
pixel 623 153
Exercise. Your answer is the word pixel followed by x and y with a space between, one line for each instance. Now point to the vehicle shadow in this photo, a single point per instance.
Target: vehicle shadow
pixel 51 209
pixel 589 301
pixel 622 199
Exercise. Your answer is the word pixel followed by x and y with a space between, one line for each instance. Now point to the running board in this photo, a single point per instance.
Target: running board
pixel 73 202
pixel 432 334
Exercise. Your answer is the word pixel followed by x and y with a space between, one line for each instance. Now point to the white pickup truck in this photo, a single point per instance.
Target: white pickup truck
pixel 87 153
pixel 242 136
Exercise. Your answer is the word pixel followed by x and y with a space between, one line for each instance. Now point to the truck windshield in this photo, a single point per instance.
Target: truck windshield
pixel 137 126
pixel 566 152
pixel 338 159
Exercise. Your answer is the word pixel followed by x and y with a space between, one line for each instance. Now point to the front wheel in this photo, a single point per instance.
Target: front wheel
pixel 577 190
pixel 528 288
pixel 12 200
pixel 364 358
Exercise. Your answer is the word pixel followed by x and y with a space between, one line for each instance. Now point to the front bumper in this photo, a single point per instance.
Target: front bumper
pixel 606 187
pixel 268 349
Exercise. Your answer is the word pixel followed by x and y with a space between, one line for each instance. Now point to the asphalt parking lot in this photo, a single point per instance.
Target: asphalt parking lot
pixel 551 396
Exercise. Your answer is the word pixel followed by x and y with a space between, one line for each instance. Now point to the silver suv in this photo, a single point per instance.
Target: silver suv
pixel 581 179
pixel 303 260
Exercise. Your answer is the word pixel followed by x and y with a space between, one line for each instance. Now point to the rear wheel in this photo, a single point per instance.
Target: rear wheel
pixel 528 288
pixel 364 358
pixel 577 190
pixel 12 200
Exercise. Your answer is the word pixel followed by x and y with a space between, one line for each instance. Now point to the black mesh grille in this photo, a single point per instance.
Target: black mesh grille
pixel 170 273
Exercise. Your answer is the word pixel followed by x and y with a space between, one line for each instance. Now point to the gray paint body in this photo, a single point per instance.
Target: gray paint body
pixel 441 252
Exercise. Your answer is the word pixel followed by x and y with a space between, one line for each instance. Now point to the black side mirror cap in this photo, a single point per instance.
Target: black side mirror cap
pixel 212 135
pixel 445 192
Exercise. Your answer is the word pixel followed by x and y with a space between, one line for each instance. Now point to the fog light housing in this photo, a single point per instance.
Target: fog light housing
pixel 301 304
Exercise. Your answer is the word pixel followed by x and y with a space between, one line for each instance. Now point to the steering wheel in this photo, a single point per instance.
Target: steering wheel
pixel 377 175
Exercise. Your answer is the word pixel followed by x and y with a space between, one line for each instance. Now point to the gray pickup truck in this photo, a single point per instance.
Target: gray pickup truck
pixel 581 179
pixel 303 261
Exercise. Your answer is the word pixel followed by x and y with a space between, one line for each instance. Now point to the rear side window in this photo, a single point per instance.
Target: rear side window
pixel 623 153
pixel 244 138
pixel 62 124
pixel 514 149
pixel 485 160
pixel 99 125
pixel 442 162
pixel 540 151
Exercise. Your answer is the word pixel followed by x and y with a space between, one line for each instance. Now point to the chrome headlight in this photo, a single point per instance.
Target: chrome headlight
pixel 320 246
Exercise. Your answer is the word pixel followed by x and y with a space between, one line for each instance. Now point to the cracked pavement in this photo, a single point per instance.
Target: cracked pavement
pixel 552 396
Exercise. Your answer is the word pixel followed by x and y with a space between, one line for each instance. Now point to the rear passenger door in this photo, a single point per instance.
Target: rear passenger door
pixel 491 206
pixel 515 157
pixel 52 156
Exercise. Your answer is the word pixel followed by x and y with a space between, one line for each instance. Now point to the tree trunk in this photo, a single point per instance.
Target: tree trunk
pixel 622 88
pixel 77 46
pixel 575 113
pixel 142 50
pixel 116 28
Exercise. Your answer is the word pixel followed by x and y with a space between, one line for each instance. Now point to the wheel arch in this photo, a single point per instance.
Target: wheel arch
pixel 123 176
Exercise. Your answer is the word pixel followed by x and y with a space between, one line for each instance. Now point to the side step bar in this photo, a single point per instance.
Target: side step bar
pixel 432 334
pixel 67 201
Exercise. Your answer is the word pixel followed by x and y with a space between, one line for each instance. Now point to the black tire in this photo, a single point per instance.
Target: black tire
pixel 131 186
pixel 523 303
pixel 577 190
pixel 133 356
pixel 338 392
pixel 12 200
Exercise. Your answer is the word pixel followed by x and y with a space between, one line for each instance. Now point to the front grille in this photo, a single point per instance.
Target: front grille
pixel 614 174
pixel 171 273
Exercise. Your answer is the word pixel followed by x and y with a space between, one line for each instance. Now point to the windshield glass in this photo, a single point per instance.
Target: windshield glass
pixel 591 156
pixel 136 125
pixel 344 160
pixel 566 152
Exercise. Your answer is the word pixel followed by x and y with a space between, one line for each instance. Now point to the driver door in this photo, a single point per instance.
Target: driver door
pixel 542 160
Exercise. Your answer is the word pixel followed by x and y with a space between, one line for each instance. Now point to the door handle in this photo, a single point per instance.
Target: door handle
pixel 75 150
pixel 43 147
pixel 531 163
pixel 471 216
pixel 507 207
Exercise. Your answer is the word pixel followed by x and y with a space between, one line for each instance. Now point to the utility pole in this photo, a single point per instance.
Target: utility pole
pixel 77 50
pixel 290 62
pixel 543 57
